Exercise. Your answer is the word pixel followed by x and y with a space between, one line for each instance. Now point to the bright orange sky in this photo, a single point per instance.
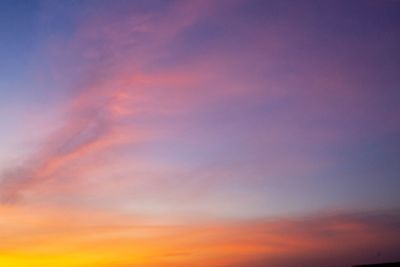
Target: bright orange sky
pixel 49 237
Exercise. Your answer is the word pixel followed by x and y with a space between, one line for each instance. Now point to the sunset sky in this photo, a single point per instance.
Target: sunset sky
pixel 199 133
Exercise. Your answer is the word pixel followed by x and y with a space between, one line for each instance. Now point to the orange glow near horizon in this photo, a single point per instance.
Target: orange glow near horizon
pixel 45 237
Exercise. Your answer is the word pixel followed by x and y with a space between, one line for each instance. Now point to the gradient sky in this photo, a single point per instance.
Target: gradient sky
pixel 163 133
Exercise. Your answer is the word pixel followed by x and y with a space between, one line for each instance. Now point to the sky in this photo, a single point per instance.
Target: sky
pixel 172 133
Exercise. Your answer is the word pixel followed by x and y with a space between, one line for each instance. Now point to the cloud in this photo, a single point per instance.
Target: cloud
pixel 93 114
pixel 223 93
pixel 120 91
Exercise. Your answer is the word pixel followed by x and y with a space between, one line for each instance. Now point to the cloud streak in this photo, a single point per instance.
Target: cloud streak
pixel 94 113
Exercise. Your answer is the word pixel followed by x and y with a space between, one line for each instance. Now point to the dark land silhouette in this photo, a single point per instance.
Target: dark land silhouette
pixel 386 264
